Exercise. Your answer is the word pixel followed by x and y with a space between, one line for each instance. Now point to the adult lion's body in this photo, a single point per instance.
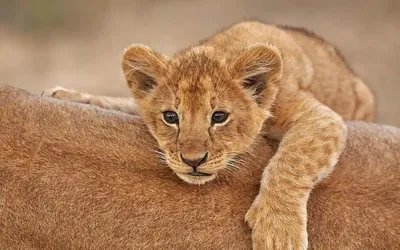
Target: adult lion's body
pixel 92 183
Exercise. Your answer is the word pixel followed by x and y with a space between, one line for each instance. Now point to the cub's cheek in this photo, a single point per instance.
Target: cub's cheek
pixel 166 138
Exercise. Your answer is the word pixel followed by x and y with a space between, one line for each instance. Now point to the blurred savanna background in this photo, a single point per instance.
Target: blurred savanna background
pixel 79 44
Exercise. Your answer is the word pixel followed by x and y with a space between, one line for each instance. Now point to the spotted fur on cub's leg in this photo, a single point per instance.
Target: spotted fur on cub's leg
pixel 302 160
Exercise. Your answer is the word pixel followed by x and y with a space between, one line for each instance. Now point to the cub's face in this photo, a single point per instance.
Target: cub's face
pixel 202 110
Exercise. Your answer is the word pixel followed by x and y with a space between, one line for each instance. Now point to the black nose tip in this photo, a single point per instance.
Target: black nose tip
pixel 195 162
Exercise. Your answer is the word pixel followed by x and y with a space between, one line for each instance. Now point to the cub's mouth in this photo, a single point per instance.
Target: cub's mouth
pixel 198 174
pixel 196 170
pixel 198 178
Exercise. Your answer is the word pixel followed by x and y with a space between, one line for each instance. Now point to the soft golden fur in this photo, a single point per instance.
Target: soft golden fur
pixel 270 80
pixel 78 177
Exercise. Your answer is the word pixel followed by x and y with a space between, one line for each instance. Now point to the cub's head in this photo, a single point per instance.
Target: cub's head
pixel 203 108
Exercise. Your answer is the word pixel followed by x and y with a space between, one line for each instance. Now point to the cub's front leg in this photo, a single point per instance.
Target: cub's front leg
pixel 313 137
pixel 123 104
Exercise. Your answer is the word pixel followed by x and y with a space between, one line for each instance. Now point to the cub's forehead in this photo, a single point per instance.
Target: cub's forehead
pixel 198 78
pixel 196 67
pixel 197 73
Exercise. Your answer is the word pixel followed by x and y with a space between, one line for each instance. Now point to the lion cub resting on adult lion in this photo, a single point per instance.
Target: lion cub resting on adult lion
pixel 209 102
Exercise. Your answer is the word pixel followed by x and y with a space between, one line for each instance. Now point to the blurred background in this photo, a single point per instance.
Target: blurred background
pixel 79 44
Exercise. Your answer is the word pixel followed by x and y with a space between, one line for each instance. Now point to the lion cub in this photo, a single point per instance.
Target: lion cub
pixel 209 103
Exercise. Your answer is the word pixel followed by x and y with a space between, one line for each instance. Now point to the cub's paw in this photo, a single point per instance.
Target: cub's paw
pixel 65 94
pixel 276 227
pixel 56 91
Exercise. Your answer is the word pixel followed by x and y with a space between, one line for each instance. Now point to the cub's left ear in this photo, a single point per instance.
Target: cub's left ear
pixel 258 68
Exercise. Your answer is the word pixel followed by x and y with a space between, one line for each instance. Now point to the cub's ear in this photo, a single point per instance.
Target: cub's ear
pixel 142 68
pixel 257 67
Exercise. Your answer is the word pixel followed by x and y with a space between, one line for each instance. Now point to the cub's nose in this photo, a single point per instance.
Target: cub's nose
pixel 194 163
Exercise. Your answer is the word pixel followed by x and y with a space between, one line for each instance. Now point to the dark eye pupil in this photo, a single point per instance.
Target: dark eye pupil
pixel 219 117
pixel 171 117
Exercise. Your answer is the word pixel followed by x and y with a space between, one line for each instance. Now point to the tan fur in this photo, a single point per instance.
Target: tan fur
pixel 126 105
pixel 82 178
pixel 266 78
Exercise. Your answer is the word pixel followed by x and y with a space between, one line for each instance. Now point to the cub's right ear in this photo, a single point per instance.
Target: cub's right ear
pixel 258 68
pixel 142 68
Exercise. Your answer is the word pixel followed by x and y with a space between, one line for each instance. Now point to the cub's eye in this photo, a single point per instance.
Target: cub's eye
pixel 171 117
pixel 219 117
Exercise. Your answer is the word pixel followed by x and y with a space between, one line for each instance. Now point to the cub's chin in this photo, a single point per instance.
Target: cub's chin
pixel 197 180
